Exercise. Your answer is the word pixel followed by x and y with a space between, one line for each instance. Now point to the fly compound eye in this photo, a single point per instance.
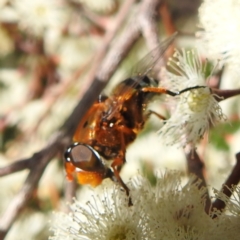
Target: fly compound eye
pixel 84 157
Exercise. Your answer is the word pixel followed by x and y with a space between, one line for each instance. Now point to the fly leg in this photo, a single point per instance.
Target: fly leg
pixel 120 160
pixel 168 92
pixel 116 165
pixel 150 112
pixel 158 115
pixel 159 90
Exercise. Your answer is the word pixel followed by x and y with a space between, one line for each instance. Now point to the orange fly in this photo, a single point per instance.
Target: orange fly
pixel 110 125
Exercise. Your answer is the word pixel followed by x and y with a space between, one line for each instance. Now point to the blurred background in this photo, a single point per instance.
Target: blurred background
pixel 46 53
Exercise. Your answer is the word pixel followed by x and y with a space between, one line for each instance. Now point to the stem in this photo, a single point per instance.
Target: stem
pixel 225 94
pixel 196 166
pixel 232 180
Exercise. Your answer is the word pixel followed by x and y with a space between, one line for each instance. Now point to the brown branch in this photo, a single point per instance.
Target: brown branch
pixel 53 94
pixel 97 82
pixel 168 24
pixel 110 34
pixel 148 23
pixel 225 94
pixel 117 53
pixel 41 160
pixel 196 167
pixel 70 193
pixel 15 167
pixel 149 29
pixel 98 21
pixel 232 180
pixel 167 19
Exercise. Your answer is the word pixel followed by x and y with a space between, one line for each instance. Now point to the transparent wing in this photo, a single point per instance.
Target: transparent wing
pixel 150 64
pixel 145 67
pixel 156 57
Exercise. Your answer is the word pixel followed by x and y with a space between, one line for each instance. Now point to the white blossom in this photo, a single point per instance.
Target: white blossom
pixel 174 210
pixel 38 16
pixel 104 217
pixel 220 21
pixel 170 210
pixel 196 107
pixel 233 202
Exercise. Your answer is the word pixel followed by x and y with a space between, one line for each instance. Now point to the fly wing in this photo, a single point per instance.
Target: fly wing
pixel 150 64
pixel 155 57
pixel 145 67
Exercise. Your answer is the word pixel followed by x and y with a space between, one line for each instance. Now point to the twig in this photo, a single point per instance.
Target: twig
pixel 70 193
pixel 114 58
pixel 104 73
pixel 147 21
pixel 225 94
pixel 167 19
pixel 232 180
pixel 110 34
pixel 98 21
pixel 53 94
pixel 41 160
pixel 168 25
pixel 63 137
pixel 196 167
pixel 15 167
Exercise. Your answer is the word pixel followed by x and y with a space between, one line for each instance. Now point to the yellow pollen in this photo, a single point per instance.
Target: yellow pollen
pixel 198 99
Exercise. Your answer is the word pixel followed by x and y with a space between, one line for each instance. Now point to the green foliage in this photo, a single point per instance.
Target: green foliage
pixel 218 135
pixel 9 133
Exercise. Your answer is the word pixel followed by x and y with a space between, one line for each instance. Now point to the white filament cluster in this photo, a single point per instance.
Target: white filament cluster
pixel 220 23
pixel 196 108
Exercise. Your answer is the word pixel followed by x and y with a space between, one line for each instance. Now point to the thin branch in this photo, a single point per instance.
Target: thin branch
pixel 148 23
pixel 167 18
pixel 149 29
pixel 15 167
pixel 95 86
pixel 70 193
pixel 63 137
pixel 196 167
pixel 110 34
pixel 97 20
pixel 20 201
pixel 53 94
pixel 79 111
pixel 232 180
pixel 118 52
pixel 225 94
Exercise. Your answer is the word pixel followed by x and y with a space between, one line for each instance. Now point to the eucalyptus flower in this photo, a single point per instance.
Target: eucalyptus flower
pixel 173 209
pixel 233 202
pixel 38 16
pixel 220 36
pixel 196 106
pixel 104 217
